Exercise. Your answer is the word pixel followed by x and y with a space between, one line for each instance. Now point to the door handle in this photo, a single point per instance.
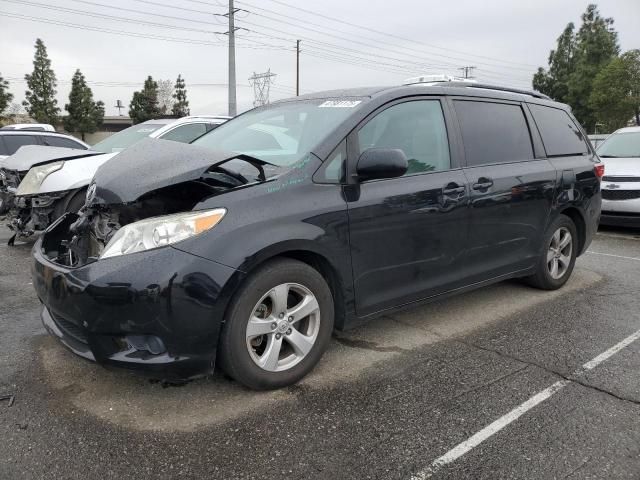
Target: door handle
pixel 452 189
pixel 482 184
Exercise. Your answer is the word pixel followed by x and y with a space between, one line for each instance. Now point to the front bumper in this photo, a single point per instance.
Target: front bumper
pixel 620 219
pixel 623 212
pixel 165 293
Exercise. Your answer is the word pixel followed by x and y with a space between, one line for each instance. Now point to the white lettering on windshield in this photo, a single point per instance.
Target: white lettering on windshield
pixel 339 104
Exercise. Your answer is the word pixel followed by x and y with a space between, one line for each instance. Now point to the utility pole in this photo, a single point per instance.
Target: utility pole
pixel 297 67
pixel 261 83
pixel 119 106
pixel 232 61
pixel 467 71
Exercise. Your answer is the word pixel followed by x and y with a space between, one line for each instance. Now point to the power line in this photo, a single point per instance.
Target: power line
pixel 159 15
pixel 380 32
pixel 376 56
pixel 365 65
pixel 404 48
pixel 339 48
pixel 181 8
pixel 126 19
pixel 190 41
pixel 109 17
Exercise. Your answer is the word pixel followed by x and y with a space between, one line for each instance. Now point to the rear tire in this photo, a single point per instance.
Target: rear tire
pixel 278 325
pixel 558 255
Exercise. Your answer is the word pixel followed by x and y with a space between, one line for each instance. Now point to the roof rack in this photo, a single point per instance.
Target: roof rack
pixel 531 93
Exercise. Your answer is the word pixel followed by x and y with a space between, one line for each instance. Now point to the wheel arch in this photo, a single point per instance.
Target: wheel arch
pixel 577 217
pixel 310 254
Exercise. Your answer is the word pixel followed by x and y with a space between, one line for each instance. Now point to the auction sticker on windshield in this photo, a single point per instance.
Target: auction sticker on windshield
pixel 339 104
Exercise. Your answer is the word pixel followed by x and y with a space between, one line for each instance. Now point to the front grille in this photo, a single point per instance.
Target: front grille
pixel 620 194
pixel 70 329
pixel 612 178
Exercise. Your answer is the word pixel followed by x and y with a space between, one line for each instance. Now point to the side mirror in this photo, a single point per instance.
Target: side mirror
pixel 381 163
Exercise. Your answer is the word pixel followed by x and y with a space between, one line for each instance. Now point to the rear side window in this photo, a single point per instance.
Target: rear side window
pixel 560 134
pixel 185 133
pixel 61 142
pixel 14 142
pixel 417 128
pixel 493 132
pixel 3 148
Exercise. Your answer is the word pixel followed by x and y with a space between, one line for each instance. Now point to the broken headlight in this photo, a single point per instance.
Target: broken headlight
pixel 34 178
pixel 160 231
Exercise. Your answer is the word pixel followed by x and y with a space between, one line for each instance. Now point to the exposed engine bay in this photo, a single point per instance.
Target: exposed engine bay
pixel 79 238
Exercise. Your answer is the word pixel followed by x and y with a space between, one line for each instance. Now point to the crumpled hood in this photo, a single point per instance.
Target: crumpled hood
pixel 151 164
pixel 30 155
pixel 627 167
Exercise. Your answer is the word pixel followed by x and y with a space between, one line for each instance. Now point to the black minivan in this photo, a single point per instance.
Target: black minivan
pixel 252 244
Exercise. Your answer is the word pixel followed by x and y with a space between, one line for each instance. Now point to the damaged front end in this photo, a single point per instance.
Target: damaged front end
pixel 33 213
pixel 77 239
pixel 9 181
pixel 159 311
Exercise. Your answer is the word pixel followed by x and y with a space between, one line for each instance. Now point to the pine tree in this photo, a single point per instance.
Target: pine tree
pixel 144 104
pixel 181 105
pixel 85 115
pixel 5 95
pixel 576 62
pixel 555 81
pixel 596 46
pixel 41 103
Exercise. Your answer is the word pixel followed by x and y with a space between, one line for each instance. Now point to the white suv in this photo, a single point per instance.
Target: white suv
pixel 57 178
pixel 620 153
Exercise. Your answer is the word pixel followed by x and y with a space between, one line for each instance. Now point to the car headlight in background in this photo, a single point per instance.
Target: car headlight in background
pixel 160 231
pixel 33 179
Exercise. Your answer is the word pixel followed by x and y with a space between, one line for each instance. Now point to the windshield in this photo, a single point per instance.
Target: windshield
pixel 281 134
pixel 124 139
pixel 623 145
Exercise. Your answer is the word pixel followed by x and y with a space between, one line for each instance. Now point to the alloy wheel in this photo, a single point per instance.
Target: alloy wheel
pixel 283 327
pixel 559 253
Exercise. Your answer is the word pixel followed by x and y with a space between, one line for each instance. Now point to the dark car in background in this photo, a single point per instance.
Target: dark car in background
pixel 248 247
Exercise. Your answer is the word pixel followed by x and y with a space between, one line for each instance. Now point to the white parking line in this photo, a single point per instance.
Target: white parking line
pixel 493 428
pixel 612 255
pixel 591 364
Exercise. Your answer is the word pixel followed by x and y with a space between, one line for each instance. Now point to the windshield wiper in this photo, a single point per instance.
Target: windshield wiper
pixel 608 156
pixel 257 163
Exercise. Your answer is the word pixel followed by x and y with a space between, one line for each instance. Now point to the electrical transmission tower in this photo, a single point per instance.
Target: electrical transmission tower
pixel 261 83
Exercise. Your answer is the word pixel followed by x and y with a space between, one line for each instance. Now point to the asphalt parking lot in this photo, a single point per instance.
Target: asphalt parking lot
pixel 503 382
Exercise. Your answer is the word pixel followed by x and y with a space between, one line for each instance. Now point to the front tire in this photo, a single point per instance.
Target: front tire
pixel 558 256
pixel 278 325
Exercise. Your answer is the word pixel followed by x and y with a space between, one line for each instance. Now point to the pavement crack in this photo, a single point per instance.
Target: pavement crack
pixel 602 390
pixel 571 377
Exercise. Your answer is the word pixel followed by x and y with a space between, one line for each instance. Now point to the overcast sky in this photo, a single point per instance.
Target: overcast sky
pixel 505 39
